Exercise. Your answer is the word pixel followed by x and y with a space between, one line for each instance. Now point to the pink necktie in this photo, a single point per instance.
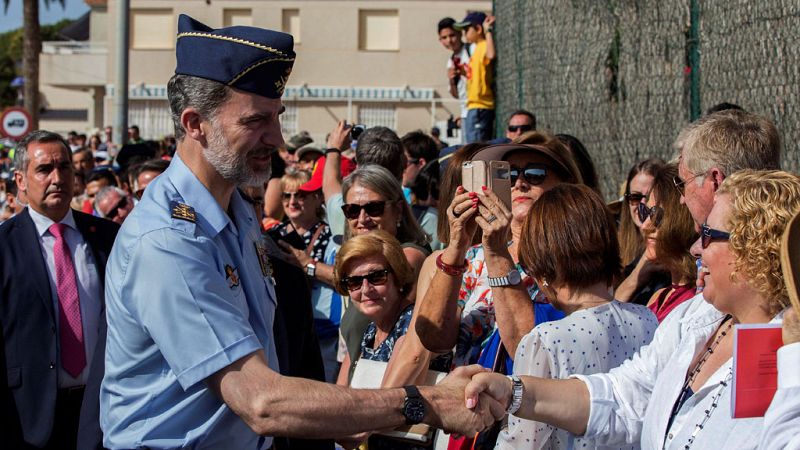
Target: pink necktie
pixel 73 356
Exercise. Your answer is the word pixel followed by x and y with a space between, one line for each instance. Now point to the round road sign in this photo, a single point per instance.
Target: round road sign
pixel 15 122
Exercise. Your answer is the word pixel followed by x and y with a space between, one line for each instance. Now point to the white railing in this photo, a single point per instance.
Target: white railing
pixel 74 48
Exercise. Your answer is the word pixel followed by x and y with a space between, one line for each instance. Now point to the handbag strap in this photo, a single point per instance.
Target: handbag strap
pixel 314 238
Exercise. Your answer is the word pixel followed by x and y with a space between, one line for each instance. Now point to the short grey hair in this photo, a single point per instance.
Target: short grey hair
pixel 21 158
pixel 102 194
pixel 379 180
pixel 731 140
pixel 185 91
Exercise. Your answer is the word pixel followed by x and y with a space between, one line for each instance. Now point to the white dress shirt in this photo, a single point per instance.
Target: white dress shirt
pixel 633 402
pixel 593 340
pixel 90 289
pixel 782 421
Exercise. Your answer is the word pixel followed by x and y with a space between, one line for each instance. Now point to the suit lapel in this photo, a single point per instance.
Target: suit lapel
pixel 29 248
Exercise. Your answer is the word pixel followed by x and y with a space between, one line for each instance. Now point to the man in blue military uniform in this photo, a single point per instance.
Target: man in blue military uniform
pixel 190 358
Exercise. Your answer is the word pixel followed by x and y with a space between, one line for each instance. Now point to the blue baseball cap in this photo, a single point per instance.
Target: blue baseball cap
pixel 472 19
pixel 252 59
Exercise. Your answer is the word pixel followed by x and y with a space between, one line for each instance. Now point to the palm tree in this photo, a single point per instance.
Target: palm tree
pixel 31 47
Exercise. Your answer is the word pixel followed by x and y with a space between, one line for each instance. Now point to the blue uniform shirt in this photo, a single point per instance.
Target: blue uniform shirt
pixel 186 295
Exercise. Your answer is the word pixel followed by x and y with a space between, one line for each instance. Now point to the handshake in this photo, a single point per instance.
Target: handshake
pixel 469 400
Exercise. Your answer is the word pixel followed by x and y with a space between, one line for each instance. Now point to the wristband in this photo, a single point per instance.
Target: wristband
pixel 332 150
pixel 453 271
pixel 517 390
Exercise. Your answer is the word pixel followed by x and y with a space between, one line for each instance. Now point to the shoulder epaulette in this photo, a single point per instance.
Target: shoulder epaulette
pixel 183 211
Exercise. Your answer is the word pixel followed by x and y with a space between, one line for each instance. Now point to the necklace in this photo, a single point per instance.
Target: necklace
pixel 714 402
pixel 684 395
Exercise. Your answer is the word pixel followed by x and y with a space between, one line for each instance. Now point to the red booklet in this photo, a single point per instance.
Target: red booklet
pixel 755 368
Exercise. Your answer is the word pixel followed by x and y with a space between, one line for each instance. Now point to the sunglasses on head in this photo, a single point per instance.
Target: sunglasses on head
pixel 373 209
pixel 375 278
pixel 709 235
pixel 533 174
pixel 634 197
pixel 656 214
pixel 114 212
pixel 520 128
pixel 300 195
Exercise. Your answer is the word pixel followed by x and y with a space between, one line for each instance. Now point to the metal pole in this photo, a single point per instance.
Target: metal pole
pixel 121 81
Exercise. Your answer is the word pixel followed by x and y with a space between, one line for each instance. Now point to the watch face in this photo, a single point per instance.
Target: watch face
pixel 514 277
pixel 414 410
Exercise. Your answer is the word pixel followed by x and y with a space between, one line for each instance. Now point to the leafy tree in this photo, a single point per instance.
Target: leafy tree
pixel 31 47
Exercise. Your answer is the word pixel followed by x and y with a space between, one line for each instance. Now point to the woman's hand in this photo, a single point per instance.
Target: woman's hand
pixel 294 256
pixel 460 214
pixel 494 218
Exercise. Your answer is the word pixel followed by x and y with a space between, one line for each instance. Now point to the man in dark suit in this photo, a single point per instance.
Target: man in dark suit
pixel 52 266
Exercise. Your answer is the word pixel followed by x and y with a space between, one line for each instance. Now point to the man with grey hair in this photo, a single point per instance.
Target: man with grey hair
pixel 51 298
pixel 191 356
pixel 113 203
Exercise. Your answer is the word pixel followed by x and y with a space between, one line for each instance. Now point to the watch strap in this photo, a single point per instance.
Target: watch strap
pixel 412 397
pixel 508 279
pixel 332 150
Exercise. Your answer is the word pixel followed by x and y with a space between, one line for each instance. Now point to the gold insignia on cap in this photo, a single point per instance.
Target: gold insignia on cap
pixel 183 211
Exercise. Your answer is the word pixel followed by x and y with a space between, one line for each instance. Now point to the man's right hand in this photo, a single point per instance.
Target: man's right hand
pixel 448 412
pixel 340 136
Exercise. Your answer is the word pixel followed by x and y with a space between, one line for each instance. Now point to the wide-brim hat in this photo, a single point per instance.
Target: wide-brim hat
pixel 306 149
pixel 790 260
pixel 564 165
pixel 251 59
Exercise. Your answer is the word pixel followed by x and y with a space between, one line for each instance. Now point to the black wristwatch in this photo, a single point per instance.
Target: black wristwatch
pixel 413 406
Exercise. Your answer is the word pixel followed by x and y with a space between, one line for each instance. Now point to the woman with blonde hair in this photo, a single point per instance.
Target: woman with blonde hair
pixel 676 392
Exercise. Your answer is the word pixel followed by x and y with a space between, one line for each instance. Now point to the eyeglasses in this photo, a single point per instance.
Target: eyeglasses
pixel 534 174
pixel 656 214
pixel 709 235
pixel 680 184
pixel 300 195
pixel 373 209
pixel 114 212
pixel 520 128
pixel 375 278
pixel 634 197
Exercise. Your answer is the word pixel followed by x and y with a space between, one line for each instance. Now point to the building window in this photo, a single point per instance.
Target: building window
pixel 152 117
pixel 235 17
pixel 378 30
pixel 291 23
pixel 378 115
pixel 289 120
pixel 152 29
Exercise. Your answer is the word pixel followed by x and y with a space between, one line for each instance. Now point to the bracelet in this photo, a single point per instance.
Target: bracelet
pixel 332 150
pixel 453 271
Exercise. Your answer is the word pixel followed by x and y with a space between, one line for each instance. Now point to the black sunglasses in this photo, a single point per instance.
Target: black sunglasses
pixel 656 214
pixel 375 278
pixel 373 209
pixel 520 128
pixel 634 197
pixel 533 174
pixel 288 195
pixel 709 235
pixel 114 212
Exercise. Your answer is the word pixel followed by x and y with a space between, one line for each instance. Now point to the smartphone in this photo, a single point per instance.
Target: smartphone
pixel 495 175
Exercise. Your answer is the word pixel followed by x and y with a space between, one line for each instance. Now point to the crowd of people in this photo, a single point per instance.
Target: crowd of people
pixel 223 293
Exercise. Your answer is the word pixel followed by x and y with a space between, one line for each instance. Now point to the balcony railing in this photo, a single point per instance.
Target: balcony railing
pixel 74 48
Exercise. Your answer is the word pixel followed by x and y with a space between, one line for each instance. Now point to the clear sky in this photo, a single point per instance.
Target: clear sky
pixel 12 18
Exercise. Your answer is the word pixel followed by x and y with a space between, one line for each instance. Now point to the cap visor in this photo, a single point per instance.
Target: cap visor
pixel 461 25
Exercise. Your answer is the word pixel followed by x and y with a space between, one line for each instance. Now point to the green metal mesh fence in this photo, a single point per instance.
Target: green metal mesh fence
pixel 616 73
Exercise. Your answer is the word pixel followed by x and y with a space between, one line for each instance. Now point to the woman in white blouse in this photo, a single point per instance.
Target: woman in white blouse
pixel 598 333
pixel 676 392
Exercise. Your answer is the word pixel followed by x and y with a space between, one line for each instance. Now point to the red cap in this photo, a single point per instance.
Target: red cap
pixel 315 183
